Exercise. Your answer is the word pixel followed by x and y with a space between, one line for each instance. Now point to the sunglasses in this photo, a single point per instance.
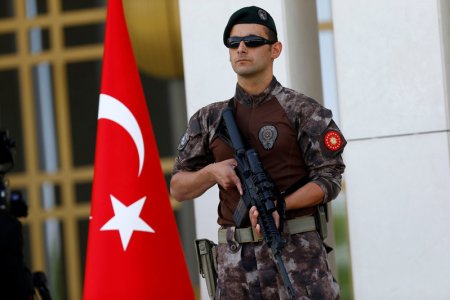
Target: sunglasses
pixel 251 41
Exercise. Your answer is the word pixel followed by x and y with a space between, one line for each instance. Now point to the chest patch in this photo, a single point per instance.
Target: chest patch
pixel 267 136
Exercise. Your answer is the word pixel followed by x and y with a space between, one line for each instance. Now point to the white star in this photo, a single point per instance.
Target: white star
pixel 126 220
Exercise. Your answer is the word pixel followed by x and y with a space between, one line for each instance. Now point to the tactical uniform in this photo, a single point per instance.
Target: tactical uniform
pixel 295 138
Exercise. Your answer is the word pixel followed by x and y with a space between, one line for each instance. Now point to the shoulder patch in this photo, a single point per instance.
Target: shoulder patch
pixel 183 141
pixel 333 140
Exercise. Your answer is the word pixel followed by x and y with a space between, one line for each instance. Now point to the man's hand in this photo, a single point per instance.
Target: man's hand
pixel 225 175
pixel 253 214
pixel 186 185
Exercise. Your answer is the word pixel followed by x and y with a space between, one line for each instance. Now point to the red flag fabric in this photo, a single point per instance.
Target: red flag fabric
pixel 134 250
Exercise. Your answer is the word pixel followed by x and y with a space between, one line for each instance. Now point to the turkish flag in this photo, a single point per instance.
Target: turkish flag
pixel 134 250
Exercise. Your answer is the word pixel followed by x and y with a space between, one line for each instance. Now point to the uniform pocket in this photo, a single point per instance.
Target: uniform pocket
pixel 326 288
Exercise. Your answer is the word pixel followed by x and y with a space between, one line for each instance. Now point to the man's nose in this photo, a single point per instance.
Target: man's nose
pixel 242 47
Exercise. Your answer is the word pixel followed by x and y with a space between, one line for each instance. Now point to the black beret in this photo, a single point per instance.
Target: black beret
pixel 249 15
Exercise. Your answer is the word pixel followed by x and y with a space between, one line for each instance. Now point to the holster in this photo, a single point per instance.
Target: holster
pixel 321 217
pixel 207 263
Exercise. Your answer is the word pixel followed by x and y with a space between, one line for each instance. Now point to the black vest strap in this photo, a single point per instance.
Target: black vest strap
pixel 298 184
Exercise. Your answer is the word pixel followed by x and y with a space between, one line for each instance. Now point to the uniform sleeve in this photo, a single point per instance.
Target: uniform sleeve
pixel 322 144
pixel 193 150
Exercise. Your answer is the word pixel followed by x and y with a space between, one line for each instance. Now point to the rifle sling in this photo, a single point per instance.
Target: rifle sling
pixel 295 186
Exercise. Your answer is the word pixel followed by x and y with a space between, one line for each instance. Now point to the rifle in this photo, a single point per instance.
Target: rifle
pixel 258 191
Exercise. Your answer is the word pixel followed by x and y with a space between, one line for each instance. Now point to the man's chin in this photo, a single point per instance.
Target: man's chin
pixel 243 72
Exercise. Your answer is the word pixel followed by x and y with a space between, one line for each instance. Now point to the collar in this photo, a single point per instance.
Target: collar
pixel 253 100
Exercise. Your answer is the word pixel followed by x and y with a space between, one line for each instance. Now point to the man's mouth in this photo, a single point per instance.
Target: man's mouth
pixel 242 60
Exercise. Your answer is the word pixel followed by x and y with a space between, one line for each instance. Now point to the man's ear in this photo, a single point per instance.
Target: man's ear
pixel 276 49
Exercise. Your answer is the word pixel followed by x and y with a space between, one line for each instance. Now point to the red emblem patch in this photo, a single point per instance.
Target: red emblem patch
pixel 333 140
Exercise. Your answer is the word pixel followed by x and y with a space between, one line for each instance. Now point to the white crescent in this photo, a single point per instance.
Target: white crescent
pixel 112 109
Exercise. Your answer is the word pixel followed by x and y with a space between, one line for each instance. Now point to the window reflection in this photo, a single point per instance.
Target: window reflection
pixel 8 43
pixel 83 226
pixel 10 113
pixel 50 195
pixel 35 7
pixel 83 192
pixel 55 266
pixel 82 4
pixel 39 39
pixel 84 35
pixel 83 107
pixel 6 9
pixel 45 117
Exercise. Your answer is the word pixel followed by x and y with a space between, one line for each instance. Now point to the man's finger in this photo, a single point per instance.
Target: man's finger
pixel 276 218
pixel 253 213
pixel 258 229
pixel 236 180
pixel 239 186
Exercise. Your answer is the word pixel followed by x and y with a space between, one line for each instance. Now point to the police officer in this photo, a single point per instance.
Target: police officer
pixel 300 147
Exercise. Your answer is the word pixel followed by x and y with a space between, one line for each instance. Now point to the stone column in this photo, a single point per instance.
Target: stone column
pixel 392 62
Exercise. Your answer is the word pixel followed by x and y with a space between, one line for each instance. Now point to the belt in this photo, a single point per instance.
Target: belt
pixel 249 235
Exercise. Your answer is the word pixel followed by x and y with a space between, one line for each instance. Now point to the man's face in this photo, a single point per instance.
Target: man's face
pixel 250 62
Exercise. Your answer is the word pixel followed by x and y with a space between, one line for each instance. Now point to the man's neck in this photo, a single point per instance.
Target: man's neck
pixel 254 86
